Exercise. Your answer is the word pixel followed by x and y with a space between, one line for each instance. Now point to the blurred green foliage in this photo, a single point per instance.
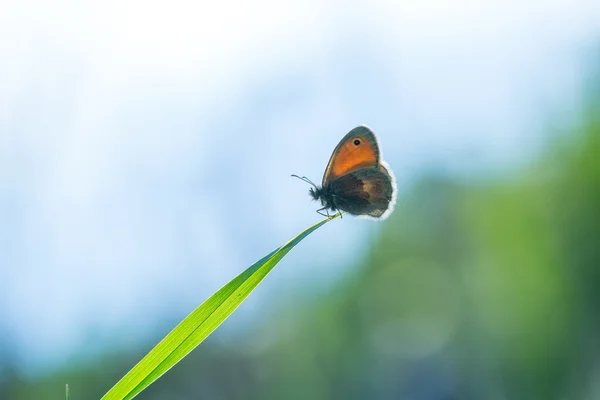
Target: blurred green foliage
pixel 473 290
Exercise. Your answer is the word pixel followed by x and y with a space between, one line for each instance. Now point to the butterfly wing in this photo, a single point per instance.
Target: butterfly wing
pixel 368 191
pixel 357 150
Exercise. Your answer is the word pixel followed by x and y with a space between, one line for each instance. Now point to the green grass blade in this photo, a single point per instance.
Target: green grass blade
pixel 200 323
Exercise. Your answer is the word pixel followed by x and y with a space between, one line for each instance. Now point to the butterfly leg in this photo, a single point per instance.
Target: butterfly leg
pixel 320 211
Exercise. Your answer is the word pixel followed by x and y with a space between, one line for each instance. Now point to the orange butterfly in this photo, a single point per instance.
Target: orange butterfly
pixel 356 180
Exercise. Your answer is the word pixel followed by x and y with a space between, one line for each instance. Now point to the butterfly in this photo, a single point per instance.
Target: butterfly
pixel 356 180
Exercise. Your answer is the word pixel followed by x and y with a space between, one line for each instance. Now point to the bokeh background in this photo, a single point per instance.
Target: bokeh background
pixel 145 154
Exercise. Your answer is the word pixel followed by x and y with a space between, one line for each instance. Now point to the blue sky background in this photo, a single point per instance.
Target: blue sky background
pixel 146 147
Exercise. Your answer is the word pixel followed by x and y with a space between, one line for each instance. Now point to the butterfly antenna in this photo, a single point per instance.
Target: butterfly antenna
pixel 305 179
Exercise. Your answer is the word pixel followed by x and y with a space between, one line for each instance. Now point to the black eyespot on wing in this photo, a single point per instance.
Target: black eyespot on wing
pixel 356 142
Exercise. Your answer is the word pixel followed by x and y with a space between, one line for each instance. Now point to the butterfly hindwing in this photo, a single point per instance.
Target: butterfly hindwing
pixel 367 191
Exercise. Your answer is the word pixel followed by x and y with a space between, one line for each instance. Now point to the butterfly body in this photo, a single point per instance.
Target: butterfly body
pixel 356 180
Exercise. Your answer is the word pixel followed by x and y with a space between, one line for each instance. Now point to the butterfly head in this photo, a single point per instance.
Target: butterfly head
pixel 324 195
pixel 319 193
pixel 315 193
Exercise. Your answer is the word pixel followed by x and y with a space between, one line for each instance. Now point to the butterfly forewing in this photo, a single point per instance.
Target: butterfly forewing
pixel 357 150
